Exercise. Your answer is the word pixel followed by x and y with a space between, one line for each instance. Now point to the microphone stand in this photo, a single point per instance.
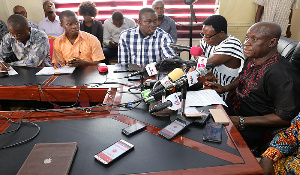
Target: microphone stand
pixel 142 82
pixel 183 97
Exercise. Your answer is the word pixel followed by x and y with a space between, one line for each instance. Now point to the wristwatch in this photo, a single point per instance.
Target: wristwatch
pixel 242 123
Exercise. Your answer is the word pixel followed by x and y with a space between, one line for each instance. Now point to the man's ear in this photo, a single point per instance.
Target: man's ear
pixel 273 42
pixel 61 25
pixel 139 22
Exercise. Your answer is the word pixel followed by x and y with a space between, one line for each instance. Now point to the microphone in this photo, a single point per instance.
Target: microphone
pixel 172 101
pixel 149 68
pixel 167 81
pixel 195 51
pixel 189 2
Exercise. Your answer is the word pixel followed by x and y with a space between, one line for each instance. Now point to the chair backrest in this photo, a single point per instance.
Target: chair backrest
pixel 295 60
pixel 286 47
pixel 51 47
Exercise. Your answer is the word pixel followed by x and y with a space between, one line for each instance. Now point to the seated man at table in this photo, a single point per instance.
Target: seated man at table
pixel 30 46
pixel 282 157
pixel 145 43
pixel 221 49
pixel 74 47
pixel 267 90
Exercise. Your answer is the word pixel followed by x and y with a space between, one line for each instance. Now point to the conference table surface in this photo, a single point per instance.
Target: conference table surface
pixel 94 129
pixel 85 82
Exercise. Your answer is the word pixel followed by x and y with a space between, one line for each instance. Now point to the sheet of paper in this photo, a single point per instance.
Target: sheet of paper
pixel 51 70
pixel 203 98
pixel 11 71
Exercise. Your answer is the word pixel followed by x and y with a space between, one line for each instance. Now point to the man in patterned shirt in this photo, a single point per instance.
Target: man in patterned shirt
pixel 283 155
pixel 221 49
pixel 164 22
pixel 145 43
pixel 278 11
pixel 267 90
pixel 20 10
pixel 30 46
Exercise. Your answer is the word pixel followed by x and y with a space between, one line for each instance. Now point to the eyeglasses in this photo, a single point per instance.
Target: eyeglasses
pixel 203 36
pixel 20 13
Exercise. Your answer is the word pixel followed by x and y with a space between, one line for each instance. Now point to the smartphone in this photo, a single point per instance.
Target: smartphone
pixel 114 151
pixel 133 128
pixel 202 121
pixel 174 128
pixel 121 68
pixel 192 112
pixel 213 132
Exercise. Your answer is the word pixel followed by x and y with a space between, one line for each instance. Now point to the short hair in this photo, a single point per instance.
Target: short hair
pixel 16 21
pixel 87 8
pixel 18 6
pixel 144 10
pixel 48 1
pixel 66 13
pixel 157 1
pixel 218 22
pixel 117 15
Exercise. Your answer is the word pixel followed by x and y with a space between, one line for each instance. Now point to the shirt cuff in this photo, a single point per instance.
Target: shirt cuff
pixel 272 153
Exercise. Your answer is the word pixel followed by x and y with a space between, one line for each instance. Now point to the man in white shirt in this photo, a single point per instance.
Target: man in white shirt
pixel 51 24
pixel 112 29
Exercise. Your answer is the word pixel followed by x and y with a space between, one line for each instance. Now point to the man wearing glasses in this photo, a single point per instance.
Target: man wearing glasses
pixel 20 10
pixel 221 49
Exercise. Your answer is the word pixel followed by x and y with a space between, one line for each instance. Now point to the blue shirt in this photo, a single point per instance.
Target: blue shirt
pixel 34 53
pixel 136 49
pixel 168 25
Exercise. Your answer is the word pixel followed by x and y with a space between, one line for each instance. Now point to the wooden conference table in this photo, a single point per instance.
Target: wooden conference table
pixel 94 130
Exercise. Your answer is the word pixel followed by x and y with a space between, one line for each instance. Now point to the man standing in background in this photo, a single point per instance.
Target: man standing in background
pixel 20 10
pixel 51 24
pixel 278 11
pixel 164 22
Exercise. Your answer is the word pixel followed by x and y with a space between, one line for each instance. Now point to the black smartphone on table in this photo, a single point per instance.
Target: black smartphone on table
pixel 133 128
pixel 174 128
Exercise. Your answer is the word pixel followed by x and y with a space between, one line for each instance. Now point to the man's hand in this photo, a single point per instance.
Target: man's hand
pixel 210 77
pixel 113 43
pixel 267 165
pixel 215 86
pixel 58 64
pixel 4 66
pixel 76 62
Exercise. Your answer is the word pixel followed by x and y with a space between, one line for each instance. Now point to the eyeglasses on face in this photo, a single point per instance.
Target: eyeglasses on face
pixel 208 37
pixel 20 13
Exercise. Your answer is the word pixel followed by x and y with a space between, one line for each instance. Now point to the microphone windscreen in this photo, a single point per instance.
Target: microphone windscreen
pixel 175 74
pixel 103 69
pixel 196 51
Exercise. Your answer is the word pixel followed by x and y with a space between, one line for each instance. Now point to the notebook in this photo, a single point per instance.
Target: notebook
pixel 51 70
pixel 49 158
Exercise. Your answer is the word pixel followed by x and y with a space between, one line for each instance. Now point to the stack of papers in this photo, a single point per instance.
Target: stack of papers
pixel 203 98
pixel 51 70
pixel 11 71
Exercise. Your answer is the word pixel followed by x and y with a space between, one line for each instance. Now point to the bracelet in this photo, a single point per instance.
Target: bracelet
pixel 242 123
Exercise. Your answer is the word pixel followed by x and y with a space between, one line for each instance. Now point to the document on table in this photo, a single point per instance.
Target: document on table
pixel 51 70
pixel 203 98
pixel 11 71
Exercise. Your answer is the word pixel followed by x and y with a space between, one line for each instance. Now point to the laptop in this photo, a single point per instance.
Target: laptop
pixel 49 158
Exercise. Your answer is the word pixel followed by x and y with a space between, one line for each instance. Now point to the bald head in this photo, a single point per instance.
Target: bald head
pixel 270 29
pixel 17 21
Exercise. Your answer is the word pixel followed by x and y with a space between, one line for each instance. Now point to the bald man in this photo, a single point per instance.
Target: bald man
pixel 267 89
pixel 30 46
pixel 20 10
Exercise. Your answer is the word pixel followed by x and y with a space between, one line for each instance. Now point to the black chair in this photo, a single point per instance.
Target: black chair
pixel 295 60
pixel 286 47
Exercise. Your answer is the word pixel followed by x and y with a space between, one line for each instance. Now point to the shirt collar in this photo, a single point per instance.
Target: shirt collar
pixel 80 35
pixel 137 32
pixel 56 18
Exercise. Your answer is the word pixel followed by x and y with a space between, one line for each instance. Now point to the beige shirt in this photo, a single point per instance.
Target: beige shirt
pixel 277 11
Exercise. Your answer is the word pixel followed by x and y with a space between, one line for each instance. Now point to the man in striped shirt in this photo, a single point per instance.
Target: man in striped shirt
pixel 221 49
pixel 145 43
pixel 278 11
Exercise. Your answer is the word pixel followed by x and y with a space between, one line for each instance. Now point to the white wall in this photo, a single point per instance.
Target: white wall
pixel 34 9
